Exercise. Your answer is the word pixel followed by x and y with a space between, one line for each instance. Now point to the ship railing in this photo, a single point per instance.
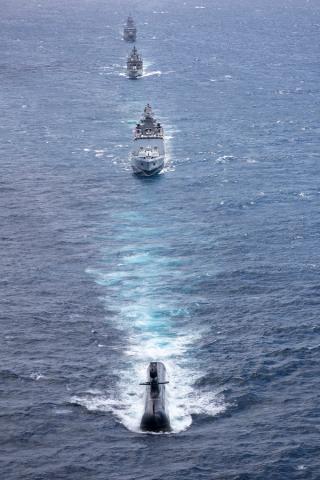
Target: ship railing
pixel 149 135
pixel 147 154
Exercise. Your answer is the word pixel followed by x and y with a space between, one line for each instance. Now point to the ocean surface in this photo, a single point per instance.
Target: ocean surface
pixel 211 267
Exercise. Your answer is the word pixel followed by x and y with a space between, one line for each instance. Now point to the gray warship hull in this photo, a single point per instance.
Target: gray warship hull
pixel 134 64
pixel 148 156
pixel 134 74
pixel 130 31
pixel 145 171
pixel 148 153
pixel 130 35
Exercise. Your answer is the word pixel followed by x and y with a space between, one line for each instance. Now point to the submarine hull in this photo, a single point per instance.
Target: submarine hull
pixel 155 417
pixel 155 422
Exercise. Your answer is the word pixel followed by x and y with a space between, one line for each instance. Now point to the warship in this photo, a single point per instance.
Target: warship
pixel 134 64
pixel 147 157
pixel 155 417
pixel 130 31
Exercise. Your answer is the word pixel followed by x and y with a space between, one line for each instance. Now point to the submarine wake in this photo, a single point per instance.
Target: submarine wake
pixel 139 276
pixel 126 402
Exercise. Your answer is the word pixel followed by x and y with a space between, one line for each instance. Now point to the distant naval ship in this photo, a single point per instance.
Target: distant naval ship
pixel 130 31
pixel 134 64
pixel 148 153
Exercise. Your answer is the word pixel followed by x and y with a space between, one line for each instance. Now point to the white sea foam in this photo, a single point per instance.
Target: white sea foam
pixel 62 411
pixel 36 376
pixel 167 168
pixel 225 159
pixel 153 73
pixel 183 399
pixel 94 391
pixel 148 314
pixel 95 402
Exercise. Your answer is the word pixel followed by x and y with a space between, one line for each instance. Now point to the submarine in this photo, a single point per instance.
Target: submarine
pixel 155 417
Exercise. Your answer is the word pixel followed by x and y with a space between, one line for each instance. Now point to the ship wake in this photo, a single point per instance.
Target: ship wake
pixel 155 325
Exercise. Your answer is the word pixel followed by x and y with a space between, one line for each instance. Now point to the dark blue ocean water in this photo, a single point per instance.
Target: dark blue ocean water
pixel 211 267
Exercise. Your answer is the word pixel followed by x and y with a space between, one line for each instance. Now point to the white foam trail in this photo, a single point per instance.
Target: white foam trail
pixel 151 74
pixel 169 162
pixel 225 159
pixel 182 399
pixel 147 313
pixel 36 376
pixel 154 337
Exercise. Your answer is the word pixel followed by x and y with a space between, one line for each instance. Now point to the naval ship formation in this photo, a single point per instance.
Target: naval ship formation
pixel 147 159
pixel 148 154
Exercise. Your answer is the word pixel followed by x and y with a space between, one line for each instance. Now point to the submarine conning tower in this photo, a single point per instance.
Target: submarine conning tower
pixel 155 417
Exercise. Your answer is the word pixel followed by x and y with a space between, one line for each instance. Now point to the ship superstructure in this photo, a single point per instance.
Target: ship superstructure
pixel 148 150
pixel 130 31
pixel 134 64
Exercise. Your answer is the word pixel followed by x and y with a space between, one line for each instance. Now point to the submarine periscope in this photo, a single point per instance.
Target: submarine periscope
pixel 155 417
